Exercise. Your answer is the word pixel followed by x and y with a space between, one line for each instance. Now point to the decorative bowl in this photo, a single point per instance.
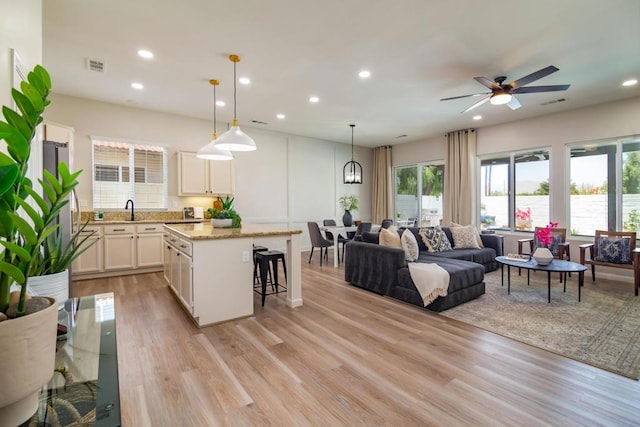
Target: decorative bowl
pixel 222 223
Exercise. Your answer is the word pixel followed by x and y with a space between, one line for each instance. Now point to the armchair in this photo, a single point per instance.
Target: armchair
pixel 613 249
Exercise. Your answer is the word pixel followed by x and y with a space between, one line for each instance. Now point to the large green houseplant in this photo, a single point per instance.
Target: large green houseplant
pixel 29 246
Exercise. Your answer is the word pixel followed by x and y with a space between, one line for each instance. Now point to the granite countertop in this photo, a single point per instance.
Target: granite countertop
pixel 147 221
pixel 206 231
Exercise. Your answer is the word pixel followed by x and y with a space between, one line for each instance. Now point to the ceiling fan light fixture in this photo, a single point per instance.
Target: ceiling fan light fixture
pixel 234 139
pixel 211 151
pixel 500 97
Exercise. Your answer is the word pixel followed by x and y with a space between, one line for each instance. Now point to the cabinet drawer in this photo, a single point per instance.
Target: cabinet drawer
pixel 185 246
pixel 119 229
pixel 149 228
pixel 171 239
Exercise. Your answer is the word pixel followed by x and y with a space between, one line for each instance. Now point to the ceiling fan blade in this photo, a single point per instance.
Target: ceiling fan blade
pixel 477 104
pixel 534 89
pixel 486 82
pixel 533 76
pixel 514 104
pixel 465 96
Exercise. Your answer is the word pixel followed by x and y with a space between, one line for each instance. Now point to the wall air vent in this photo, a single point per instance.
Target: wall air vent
pixel 258 122
pixel 95 65
pixel 554 101
pixel 401 136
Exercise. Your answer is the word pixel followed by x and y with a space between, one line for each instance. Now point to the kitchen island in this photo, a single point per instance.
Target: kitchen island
pixel 210 270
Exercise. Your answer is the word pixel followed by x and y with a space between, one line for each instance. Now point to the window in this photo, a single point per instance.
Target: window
pixel 113 183
pixel 605 186
pixel 421 208
pixel 515 190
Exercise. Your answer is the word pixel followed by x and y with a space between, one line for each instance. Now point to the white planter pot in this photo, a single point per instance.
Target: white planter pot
pixel 27 360
pixel 543 256
pixel 52 285
pixel 222 223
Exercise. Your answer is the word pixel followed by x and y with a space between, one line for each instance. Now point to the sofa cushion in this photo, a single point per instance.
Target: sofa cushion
pixel 435 239
pixel 616 251
pixel 461 274
pixel 410 245
pixel 464 236
pixel 389 237
pixel 371 237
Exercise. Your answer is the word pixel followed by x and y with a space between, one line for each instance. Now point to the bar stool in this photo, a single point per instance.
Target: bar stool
pixel 267 259
pixel 256 249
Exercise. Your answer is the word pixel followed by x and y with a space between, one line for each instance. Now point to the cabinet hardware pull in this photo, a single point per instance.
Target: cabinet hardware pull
pixel 183 246
pixel 118 229
pixel 149 228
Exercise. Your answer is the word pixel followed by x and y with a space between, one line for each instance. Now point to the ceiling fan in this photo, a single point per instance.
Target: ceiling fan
pixel 504 93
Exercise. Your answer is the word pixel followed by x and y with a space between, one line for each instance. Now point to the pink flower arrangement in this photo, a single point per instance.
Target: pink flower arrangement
pixel 522 214
pixel 544 234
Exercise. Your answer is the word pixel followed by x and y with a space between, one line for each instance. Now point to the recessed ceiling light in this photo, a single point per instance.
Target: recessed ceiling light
pixel 477 117
pixel 244 80
pixel 145 54
pixel 280 116
pixel 220 103
pixel 364 74
pixel 314 99
pixel 138 86
pixel 630 82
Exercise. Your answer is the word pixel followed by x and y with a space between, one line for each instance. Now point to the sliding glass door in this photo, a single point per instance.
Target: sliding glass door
pixel 418 195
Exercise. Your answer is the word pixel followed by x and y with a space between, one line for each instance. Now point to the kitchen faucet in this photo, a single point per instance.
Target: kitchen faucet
pixel 133 216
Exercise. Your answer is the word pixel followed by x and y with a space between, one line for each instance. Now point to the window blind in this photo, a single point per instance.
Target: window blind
pixel 113 182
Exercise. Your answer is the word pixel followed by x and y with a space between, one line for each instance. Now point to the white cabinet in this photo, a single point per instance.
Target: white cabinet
pixel 167 249
pixel 179 269
pixel 119 247
pixel 198 177
pixel 149 245
pixel 90 261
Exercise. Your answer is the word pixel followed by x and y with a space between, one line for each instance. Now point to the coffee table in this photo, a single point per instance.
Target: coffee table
pixel 556 266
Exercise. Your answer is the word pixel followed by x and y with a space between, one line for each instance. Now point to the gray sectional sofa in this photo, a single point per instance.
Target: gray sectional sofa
pixel 384 270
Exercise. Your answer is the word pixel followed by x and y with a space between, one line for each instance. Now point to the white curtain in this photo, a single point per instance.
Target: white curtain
pixel 460 196
pixel 381 186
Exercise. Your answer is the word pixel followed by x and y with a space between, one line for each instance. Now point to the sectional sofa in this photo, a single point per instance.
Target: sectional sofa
pixel 384 270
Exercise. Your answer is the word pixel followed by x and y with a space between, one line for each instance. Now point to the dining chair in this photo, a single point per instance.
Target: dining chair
pixel 386 223
pixel 362 228
pixel 318 241
pixel 329 234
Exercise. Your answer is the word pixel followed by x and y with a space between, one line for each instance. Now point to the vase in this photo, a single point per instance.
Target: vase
pixel 543 256
pixel 222 223
pixel 52 285
pixel 28 361
pixel 347 219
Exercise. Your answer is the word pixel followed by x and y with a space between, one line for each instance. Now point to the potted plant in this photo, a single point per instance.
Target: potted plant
pixel 29 246
pixel 226 216
pixel 348 203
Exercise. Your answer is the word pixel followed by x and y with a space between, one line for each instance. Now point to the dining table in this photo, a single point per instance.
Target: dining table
pixel 336 230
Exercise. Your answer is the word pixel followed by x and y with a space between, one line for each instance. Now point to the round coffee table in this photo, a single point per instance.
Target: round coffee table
pixel 556 266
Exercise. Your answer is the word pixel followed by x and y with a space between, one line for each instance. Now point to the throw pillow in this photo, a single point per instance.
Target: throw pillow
pixel 464 237
pixel 435 239
pixel 478 238
pixel 410 246
pixel 554 246
pixel 616 251
pixel 389 237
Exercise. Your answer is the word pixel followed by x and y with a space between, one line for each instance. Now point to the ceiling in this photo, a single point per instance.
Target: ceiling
pixel 417 52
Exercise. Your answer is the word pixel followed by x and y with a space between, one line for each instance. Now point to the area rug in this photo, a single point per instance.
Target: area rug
pixel 603 330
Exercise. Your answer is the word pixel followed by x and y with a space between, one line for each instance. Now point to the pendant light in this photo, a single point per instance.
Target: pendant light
pixel 234 139
pixel 352 170
pixel 211 151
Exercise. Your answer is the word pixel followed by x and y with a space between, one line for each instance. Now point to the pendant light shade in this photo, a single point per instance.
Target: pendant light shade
pixel 211 151
pixel 234 139
pixel 352 170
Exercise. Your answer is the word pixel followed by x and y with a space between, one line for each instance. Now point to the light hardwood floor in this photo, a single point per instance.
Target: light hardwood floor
pixel 346 357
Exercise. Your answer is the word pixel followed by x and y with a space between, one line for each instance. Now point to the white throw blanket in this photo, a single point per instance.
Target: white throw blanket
pixel 431 280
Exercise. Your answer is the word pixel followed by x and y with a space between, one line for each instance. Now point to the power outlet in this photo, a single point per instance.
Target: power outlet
pixel 245 256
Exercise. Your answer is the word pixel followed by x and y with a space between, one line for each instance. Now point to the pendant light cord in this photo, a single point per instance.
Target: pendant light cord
pixel 352 126
pixel 235 103
pixel 214 110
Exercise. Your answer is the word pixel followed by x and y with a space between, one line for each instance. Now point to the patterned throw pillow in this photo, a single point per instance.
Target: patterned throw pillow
pixel 554 246
pixel 435 239
pixel 464 237
pixel 410 246
pixel 389 237
pixel 616 251
pixel 478 238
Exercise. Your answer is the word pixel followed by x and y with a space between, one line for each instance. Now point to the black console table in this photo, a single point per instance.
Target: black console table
pixel 84 386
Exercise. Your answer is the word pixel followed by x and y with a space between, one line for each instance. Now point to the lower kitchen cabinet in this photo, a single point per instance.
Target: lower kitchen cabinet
pixel 179 270
pixel 90 261
pixel 149 245
pixel 119 247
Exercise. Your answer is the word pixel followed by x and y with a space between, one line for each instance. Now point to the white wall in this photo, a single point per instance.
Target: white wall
pixel 288 180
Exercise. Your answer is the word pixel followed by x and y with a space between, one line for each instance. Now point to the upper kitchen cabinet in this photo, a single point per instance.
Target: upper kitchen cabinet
pixel 57 133
pixel 199 177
